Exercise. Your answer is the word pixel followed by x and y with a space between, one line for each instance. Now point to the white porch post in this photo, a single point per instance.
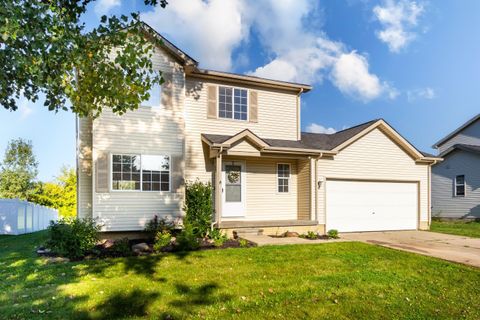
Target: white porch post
pixel 313 188
pixel 218 188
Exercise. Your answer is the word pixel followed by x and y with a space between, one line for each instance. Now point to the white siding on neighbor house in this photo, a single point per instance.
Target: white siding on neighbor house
pixel 277 118
pixel 147 131
pixel 444 202
pixel 84 168
pixel 469 135
pixel 263 201
pixel 373 157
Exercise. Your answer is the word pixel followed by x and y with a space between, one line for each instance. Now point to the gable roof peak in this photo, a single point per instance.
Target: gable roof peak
pixel 456 131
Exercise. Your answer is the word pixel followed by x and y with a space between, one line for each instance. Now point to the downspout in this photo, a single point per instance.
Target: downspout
pixel 316 185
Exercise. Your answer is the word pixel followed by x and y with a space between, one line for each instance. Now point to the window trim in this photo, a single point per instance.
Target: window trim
pixel 455 185
pixel 233 105
pixel 110 182
pixel 288 179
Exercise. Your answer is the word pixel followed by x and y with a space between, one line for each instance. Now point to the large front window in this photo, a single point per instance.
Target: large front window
pixel 140 172
pixel 232 103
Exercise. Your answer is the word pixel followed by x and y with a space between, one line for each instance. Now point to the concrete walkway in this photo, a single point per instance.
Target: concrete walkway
pixel 444 246
pixel 264 240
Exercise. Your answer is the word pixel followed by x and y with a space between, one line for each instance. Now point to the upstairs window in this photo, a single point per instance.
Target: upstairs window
pixel 232 103
pixel 283 176
pixel 460 186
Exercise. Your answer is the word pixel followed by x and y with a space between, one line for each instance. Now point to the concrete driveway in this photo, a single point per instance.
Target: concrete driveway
pixel 444 246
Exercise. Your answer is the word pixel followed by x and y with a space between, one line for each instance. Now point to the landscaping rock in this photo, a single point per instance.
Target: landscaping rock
pixel 107 244
pixel 141 247
pixel 291 234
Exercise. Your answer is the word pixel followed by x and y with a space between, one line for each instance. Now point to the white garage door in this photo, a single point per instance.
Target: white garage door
pixel 371 206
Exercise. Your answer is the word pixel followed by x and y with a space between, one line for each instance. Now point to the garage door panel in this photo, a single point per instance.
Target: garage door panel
pixel 371 206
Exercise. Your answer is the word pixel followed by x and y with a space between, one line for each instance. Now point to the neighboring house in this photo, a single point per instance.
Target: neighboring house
pixel 456 180
pixel 242 133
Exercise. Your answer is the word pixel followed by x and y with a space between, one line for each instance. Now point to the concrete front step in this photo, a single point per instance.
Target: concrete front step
pixel 248 231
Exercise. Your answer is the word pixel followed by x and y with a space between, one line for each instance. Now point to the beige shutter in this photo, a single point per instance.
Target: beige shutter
pixel 212 101
pixel 167 90
pixel 102 172
pixel 253 106
pixel 176 165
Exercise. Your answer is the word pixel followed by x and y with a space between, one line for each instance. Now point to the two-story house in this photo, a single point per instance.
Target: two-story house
pixel 456 180
pixel 242 134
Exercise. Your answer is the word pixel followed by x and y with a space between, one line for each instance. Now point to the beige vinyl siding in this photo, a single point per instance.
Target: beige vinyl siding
pixel 303 206
pixel 277 118
pixel 264 202
pixel 374 157
pixel 84 170
pixel 148 131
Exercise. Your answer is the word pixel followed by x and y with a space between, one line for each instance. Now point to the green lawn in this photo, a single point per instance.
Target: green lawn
pixel 336 280
pixel 470 229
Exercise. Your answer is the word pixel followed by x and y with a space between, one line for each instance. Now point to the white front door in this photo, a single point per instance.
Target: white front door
pixel 371 206
pixel 233 189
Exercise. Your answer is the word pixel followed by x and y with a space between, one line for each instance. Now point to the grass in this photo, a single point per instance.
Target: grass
pixel 333 281
pixel 461 228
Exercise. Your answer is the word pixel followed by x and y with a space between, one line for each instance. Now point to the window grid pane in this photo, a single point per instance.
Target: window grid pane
pixel 240 104
pixel 125 172
pixel 283 172
pixel 225 102
pixel 155 174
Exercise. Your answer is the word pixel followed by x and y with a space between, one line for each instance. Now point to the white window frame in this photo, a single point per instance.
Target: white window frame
pixel 455 185
pixel 143 103
pixel 288 179
pixel 233 105
pixel 141 173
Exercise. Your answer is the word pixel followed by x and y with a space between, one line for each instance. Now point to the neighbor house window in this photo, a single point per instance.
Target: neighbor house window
pixel 140 172
pixel 155 96
pixel 460 186
pixel 232 103
pixel 283 176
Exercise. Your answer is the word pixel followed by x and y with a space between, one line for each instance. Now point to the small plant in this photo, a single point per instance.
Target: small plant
pixel 198 207
pixel 72 238
pixel 156 225
pixel 187 239
pixel 162 240
pixel 218 237
pixel 310 235
pixel 121 247
pixel 332 234
pixel 243 243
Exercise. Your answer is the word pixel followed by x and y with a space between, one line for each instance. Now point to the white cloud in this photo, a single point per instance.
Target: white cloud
pixel 398 19
pixel 318 128
pixel 289 33
pixel 104 6
pixel 24 109
pixel 423 93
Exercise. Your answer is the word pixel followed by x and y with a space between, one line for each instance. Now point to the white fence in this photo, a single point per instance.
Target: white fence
pixel 19 217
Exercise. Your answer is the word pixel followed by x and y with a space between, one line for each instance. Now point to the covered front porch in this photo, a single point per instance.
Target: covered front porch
pixel 260 185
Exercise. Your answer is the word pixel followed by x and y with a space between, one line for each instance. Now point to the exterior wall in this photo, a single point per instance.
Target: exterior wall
pixel 277 118
pixel 84 168
pixel 263 200
pixel 444 203
pixel 149 131
pixel 303 203
pixel 469 135
pixel 374 157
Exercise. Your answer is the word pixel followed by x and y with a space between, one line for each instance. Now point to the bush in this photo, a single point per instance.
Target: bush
pixel 156 225
pixel 332 234
pixel 121 247
pixel 243 243
pixel 311 235
pixel 72 238
pixel 198 207
pixel 162 240
pixel 218 237
pixel 187 239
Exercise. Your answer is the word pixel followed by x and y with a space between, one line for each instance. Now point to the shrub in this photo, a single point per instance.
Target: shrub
pixel 187 239
pixel 156 225
pixel 218 237
pixel 243 243
pixel 72 238
pixel 198 207
pixel 122 247
pixel 162 240
pixel 332 234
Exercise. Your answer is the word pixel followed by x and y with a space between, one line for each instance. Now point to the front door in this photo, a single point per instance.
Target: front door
pixel 233 189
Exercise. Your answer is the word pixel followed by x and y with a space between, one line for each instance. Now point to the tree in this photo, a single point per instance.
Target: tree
pixel 46 51
pixel 18 170
pixel 60 194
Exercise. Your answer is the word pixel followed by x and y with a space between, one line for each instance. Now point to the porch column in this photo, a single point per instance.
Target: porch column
pixel 313 188
pixel 218 188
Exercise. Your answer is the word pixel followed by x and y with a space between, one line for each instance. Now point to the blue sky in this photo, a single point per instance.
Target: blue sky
pixel 413 63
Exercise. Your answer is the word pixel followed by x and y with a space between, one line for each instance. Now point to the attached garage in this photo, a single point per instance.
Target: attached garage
pixel 371 205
